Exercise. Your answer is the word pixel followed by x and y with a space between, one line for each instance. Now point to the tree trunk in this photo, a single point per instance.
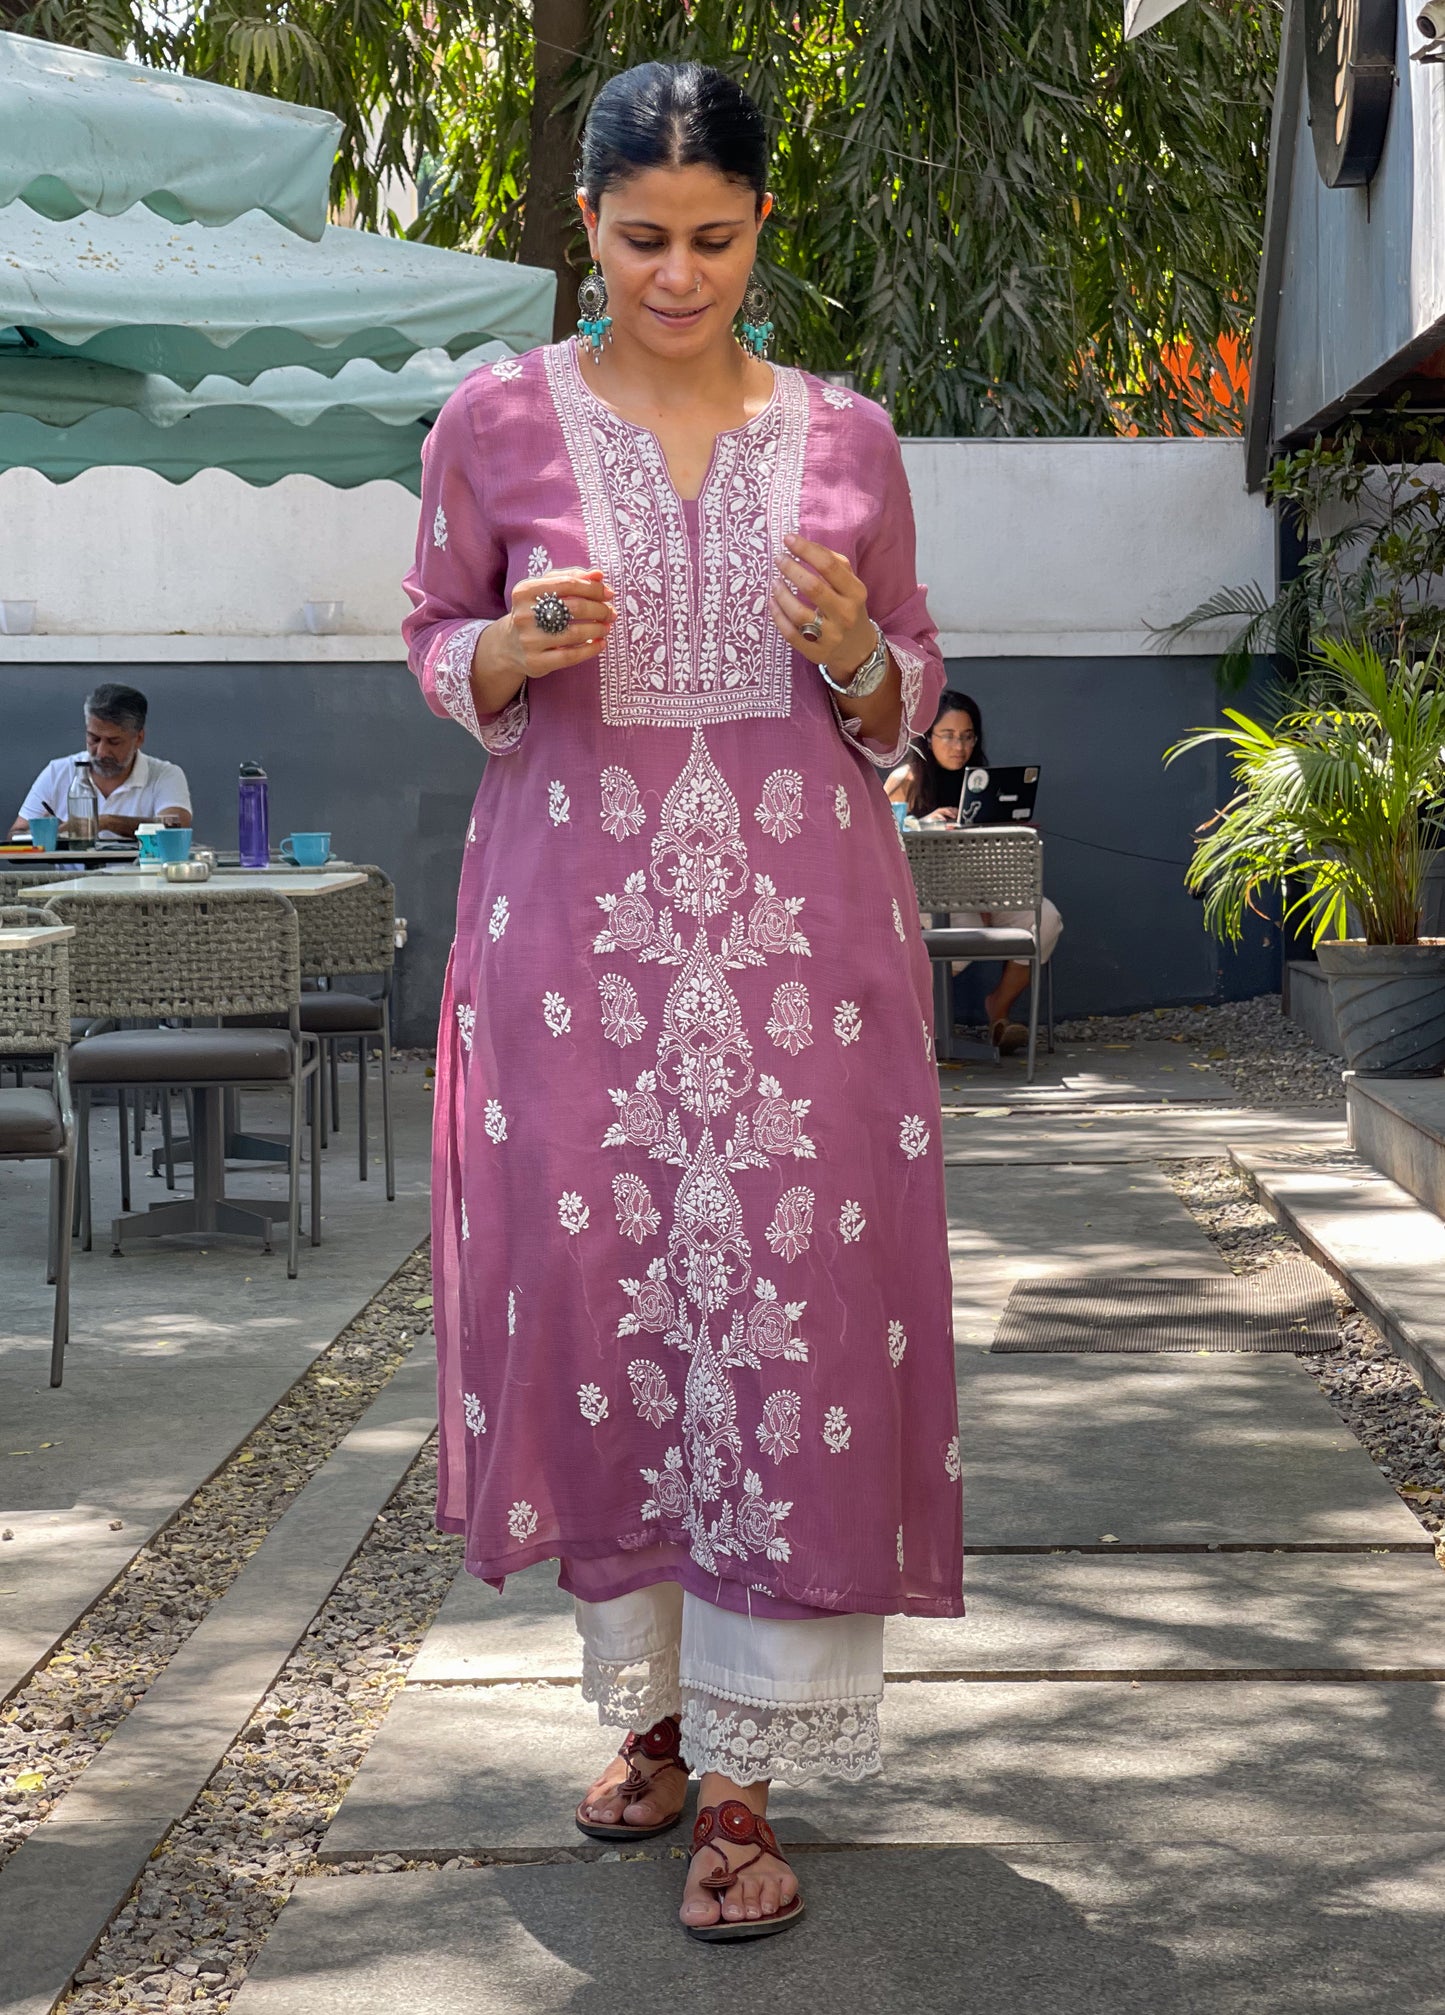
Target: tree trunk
pixel 560 27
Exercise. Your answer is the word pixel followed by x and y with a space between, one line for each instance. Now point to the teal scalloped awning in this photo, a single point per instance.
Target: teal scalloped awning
pixel 82 132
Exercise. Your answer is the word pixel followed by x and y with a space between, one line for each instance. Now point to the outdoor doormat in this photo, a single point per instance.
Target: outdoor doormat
pixel 1288 1307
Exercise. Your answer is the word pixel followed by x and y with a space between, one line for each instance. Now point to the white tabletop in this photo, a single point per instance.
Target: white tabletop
pixel 287 883
pixel 16 937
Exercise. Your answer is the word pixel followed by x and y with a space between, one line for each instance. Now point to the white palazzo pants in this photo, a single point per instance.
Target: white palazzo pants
pixel 760 1697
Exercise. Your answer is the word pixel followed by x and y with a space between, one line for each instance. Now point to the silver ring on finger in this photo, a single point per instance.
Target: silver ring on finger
pixel 551 614
pixel 812 631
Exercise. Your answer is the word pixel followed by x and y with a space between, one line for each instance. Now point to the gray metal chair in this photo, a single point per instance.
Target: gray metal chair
pixel 352 932
pixel 194 954
pixel 980 868
pixel 37 1123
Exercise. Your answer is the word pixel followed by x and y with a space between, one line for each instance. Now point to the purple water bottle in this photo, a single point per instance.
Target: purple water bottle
pixel 254 831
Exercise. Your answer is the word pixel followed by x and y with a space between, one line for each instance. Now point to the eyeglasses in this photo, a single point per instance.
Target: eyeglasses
pixel 965 738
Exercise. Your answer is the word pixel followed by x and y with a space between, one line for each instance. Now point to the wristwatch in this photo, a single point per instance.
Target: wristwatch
pixel 869 675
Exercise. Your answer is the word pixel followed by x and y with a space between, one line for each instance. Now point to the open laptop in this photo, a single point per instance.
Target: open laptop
pixel 1001 796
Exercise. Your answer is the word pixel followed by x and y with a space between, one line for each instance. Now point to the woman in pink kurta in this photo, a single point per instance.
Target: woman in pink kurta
pixel 692 1293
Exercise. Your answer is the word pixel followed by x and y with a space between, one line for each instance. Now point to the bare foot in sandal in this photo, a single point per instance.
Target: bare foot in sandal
pixel 762 1895
pixel 643 1789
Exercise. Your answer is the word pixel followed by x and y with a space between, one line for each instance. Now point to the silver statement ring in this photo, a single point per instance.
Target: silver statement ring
pixel 551 614
pixel 812 631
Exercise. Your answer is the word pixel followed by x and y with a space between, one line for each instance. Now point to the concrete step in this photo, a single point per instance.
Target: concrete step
pixel 1307 1004
pixel 1385 1249
pixel 1398 1126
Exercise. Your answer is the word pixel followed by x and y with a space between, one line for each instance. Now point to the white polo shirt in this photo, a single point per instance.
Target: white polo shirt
pixel 151 788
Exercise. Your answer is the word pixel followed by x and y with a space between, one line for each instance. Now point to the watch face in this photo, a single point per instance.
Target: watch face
pixel 1350 66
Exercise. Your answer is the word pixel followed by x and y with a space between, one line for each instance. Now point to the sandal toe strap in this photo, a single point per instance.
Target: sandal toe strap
pixel 733 1824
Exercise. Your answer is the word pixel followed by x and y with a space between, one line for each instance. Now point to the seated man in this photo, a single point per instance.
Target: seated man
pixel 132 787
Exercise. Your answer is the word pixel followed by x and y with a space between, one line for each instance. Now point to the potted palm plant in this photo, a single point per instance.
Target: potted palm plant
pixel 1341 798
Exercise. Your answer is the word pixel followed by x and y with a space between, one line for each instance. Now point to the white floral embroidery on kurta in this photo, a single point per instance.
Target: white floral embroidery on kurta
pixel 913 1136
pixel 780 807
pixel 475 1412
pixel 622 1019
pixel 592 1404
pixel 572 1213
pixel 653 1308
pixel 637 1215
pixel 623 812
pixel 497 922
pixel 556 1013
pixel 927 1043
pixel 847 1022
pixel 835 396
pixel 952 1462
pixel 466 1228
pixel 466 1023
pixel 650 1393
pixel 770 1331
pixel 900 1548
pixel 851 1222
pixel 507 367
pixel 471 831
pixel 521 1520
pixel 631 922
pixel 439 528
pixel 778 1122
pixel 511 1311
pixel 898 922
pixel 494 1120
pixel 836 1431
pixel 897 1343
pixel 790 1025
pixel 559 805
pixel 841 807
pixel 539 562
pixel 640 1123
pixel 778 1430
pixel 791 1230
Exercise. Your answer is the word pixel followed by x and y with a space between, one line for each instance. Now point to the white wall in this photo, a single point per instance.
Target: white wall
pixel 1030 548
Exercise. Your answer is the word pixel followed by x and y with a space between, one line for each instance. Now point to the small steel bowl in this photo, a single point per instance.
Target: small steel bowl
pixel 188 871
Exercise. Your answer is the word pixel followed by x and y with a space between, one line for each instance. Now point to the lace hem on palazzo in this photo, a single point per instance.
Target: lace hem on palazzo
pixel 790 1742
pixel 633 1693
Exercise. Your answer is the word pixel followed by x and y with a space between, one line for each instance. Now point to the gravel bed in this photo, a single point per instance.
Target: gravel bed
pixel 191 1928
pixel 55 1722
pixel 1268 1060
pixel 1373 1391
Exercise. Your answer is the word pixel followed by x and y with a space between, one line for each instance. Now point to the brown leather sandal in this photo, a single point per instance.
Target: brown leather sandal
pixel 739 1826
pixel 661 1745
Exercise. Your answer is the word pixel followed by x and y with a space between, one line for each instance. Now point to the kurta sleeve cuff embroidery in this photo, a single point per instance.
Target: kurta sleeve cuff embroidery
pixel 457 586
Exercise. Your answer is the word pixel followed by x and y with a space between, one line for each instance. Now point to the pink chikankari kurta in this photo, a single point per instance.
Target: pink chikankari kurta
pixel 692 1304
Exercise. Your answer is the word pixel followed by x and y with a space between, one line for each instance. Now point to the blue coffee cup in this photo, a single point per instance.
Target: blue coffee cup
pixel 900 813
pixel 307 850
pixel 173 843
pixel 44 833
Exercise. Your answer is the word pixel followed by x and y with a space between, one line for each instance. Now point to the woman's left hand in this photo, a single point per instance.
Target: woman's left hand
pixel 818 586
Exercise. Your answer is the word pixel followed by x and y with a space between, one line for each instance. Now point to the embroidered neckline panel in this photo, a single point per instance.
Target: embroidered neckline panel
pixel 692 645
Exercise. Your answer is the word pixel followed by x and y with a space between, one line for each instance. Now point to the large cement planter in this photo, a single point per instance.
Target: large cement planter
pixel 1389 1005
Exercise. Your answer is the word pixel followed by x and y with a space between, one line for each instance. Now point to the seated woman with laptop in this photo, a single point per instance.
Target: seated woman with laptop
pixel 937 785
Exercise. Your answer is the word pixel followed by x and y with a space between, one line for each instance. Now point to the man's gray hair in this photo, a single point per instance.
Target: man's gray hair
pixel 122 706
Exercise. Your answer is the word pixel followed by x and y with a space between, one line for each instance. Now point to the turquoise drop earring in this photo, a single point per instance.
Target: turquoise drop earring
pixel 593 323
pixel 757 319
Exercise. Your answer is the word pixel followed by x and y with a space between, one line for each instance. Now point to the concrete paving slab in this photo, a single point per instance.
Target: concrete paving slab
pixel 1164 1451
pixel 62 1884
pixel 1317 1927
pixel 499 1769
pixel 170 1334
pixel 1386 1250
pixel 1021 1136
pixel 1050 1615
pixel 1398 1126
pixel 1082 1218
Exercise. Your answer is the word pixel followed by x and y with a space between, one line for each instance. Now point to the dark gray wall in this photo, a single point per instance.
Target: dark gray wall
pixel 351 749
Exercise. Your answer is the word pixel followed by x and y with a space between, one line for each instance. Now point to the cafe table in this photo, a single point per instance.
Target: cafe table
pixel 209 1208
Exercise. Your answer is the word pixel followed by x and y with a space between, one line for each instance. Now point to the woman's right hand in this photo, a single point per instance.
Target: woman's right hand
pixel 516 647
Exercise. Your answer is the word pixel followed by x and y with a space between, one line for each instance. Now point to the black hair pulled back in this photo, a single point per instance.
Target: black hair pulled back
pixel 672 115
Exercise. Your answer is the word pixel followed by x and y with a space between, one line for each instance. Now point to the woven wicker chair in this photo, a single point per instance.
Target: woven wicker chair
pixel 37 1123
pixel 980 868
pixel 194 954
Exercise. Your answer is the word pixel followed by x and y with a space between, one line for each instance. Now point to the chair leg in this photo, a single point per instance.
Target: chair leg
pixel 321 1090
pixel 362 1049
pixel 335 1057
pixel 318 1121
pixel 1049 1035
pixel 293 1192
pixel 53 1222
pixel 139 1110
pixel 386 1141
pixel 168 1141
pixel 84 1171
pixel 122 1113
pixel 60 1335
pixel 1036 983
